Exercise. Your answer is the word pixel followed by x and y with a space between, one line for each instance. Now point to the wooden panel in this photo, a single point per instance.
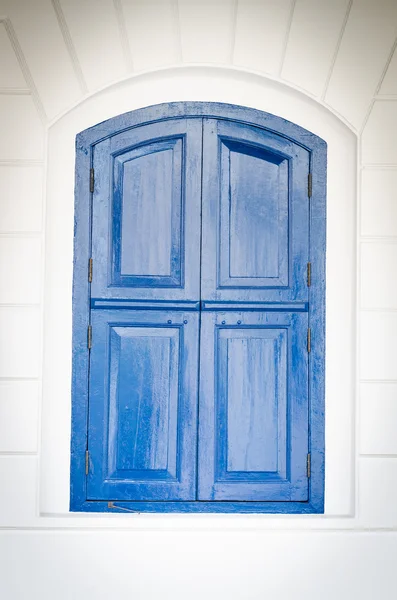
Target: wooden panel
pixel 143 399
pixel 155 21
pixel 19 411
pixel 363 53
pixel 143 406
pixel 378 138
pixel 11 75
pixel 261 28
pixel 152 249
pixel 255 215
pixel 20 359
pixel 239 557
pixel 378 418
pixel 253 430
pixel 377 275
pixel 377 344
pixel 389 84
pixel 377 480
pixel 378 204
pixel 18 498
pixel 207 30
pixel 20 270
pixel 22 134
pixel 46 55
pixel 95 35
pixel 21 198
pixel 148 185
pixel 315 29
pixel 252 382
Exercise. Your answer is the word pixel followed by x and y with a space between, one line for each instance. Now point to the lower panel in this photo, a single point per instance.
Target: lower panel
pixel 253 427
pixel 143 405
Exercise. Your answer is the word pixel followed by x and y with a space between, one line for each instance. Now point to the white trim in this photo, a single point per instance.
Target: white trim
pixel 236 87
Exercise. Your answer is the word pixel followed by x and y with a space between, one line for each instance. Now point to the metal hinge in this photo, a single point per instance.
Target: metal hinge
pixel 87 462
pixel 91 180
pixel 309 274
pixel 308 465
pixel 90 270
pixel 309 185
pixel 309 340
pixel 89 337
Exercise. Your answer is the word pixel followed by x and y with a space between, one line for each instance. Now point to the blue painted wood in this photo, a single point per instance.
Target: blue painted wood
pixel 255 215
pixel 203 507
pixel 146 213
pixel 253 431
pixel 143 405
pixel 255 138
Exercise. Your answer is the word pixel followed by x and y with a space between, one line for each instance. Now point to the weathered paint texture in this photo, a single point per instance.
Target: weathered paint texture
pixel 198 210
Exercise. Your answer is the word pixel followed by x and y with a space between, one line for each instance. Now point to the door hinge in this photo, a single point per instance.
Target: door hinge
pixel 90 271
pixel 91 180
pixel 89 337
pixel 308 465
pixel 309 274
pixel 87 462
pixel 309 185
pixel 309 339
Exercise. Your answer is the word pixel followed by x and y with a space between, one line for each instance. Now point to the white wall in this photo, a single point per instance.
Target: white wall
pixel 328 66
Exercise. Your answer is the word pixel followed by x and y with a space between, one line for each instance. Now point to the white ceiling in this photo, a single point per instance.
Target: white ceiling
pixel 337 51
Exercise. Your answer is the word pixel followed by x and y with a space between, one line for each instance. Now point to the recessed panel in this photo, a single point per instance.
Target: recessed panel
pixel 147 210
pixel 252 401
pixel 143 390
pixel 254 217
pixel 146 232
pixel 252 398
pixel 253 429
pixel 143 405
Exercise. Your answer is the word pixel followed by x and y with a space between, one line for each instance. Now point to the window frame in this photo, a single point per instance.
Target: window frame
pixel 317 148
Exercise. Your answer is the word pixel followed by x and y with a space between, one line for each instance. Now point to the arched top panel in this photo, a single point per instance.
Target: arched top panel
pixel 216 110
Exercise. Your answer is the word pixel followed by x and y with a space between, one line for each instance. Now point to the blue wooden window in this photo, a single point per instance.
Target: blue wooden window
pixel 198 313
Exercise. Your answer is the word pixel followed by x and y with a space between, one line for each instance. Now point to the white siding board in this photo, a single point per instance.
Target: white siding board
pixel 378 345
pixel 379 202
pixel 251 565
pixel 46 54
pixel 366 45
pixel 152 28
pixel 378 418
pixel 94 31
pixel 314 34
pixel 19 407
pixel 20 270
pixel 378 280
pixel 379 136
pixel 20 198
pixel 18 491
pixel 11 75
pixel 377 489
pixel 261 28
pixel 389 83
pixel 21 129
pixel 207 30
pixel 19 342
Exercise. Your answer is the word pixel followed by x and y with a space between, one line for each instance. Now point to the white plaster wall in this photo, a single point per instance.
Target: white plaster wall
pixel 332 68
